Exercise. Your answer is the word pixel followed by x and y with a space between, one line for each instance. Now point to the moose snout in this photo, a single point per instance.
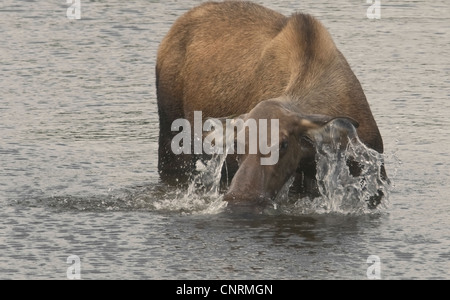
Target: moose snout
pixel 247 204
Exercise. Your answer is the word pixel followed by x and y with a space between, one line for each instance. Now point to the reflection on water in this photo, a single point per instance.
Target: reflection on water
pixel 78 148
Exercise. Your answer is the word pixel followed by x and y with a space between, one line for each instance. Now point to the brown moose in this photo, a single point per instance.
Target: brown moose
pixel 241 59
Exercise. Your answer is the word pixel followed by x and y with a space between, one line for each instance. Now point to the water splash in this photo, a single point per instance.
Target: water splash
pixel 364 191
pixel 340 191
pixel 202 195
pixel 203 192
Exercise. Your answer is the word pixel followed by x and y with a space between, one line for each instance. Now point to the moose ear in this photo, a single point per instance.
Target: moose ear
pixel 346 120
pixel 316 121
pixel 329 130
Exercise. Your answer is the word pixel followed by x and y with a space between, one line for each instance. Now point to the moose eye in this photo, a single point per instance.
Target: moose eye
pixel 284 144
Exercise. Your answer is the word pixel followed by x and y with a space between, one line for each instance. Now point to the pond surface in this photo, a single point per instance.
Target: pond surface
pixel 78 149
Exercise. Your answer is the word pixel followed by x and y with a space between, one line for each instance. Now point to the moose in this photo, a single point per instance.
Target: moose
pixel 240 60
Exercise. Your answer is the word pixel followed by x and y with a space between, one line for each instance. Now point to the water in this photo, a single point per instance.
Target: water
pixel 78 146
